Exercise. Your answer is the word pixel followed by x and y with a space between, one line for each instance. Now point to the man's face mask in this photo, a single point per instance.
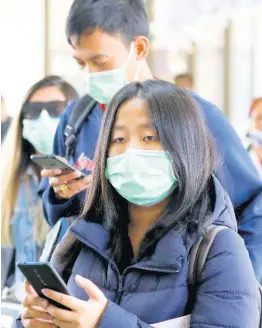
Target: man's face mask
pixel 40 132
pixel 256 136
pixel 102 86
pixel 255 133
pixel 142 177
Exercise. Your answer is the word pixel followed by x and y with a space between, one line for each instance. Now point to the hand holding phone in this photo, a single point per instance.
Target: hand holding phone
pixel 41 275
pixel 35 309
pixel 65 179
pixel 83 313
pixel 66 185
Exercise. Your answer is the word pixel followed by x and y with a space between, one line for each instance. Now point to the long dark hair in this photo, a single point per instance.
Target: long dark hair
pixel 183 133
pixel 69 93
pixel 16 158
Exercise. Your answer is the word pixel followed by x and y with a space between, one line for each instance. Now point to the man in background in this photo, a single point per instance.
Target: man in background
pixel 185 80
pixel 110 42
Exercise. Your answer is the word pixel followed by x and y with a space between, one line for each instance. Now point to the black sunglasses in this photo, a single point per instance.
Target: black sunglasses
pixel 32 110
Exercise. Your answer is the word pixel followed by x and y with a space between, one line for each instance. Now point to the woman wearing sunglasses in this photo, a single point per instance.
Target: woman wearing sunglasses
pixel 153 193
pixel 32 131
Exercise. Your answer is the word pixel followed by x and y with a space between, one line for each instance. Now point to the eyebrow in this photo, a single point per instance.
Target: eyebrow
pixel 142 125
pixel 119 127
pixel 93 57
pixel 146 125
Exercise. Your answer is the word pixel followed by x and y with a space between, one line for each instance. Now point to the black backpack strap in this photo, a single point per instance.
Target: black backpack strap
pixel 79 114
pixel 199 253
pixel 197 259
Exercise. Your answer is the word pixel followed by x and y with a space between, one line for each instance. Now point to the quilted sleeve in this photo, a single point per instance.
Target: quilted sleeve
pixel 228 293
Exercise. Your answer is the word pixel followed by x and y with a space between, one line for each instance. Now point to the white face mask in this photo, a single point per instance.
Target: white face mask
pixel 40 132
pixel 102 86
pixel 256 135
pixel 142 177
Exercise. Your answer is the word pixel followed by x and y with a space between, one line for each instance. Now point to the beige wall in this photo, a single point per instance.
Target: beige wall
pixel 257 54
pixel 59 59
pixel 225 58
pixel 35 44
pixel 22 48
pixel 209 63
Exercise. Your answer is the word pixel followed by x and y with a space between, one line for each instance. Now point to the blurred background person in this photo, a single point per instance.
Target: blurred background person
pixel 32 131
pixel 185 81
pixel 255 134
pixel 5 120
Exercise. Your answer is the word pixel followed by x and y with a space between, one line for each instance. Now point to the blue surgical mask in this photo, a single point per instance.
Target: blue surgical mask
pixel 102 86
pixel 40 132
pixel 142 177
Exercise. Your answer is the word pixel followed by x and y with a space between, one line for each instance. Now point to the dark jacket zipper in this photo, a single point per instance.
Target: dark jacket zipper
pixel 120 289
pixel 121 279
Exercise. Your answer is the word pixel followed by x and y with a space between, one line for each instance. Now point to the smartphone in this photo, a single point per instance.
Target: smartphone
pixel 42 275
pixel 54 162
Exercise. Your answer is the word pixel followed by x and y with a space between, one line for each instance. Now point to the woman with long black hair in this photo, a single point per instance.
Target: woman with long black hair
pixel 153 194
pixel 23 227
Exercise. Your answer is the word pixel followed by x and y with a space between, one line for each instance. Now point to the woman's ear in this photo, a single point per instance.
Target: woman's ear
pixel 141 47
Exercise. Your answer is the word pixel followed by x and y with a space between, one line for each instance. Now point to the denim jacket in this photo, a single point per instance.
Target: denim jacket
pixel 28 227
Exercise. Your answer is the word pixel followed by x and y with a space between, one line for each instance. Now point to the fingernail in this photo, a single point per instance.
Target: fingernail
pixel 57 172
pixel 79 278
pixel 45 292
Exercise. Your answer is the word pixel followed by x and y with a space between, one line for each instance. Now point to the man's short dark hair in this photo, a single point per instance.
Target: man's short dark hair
pixel 127 18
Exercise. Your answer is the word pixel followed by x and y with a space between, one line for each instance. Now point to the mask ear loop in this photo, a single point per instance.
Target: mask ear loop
pixel 138 62
pixel 137 71
pixel 132 47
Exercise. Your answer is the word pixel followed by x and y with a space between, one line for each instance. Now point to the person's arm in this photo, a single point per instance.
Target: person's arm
pixel 239 177
pixel 227 294
pixel 55 207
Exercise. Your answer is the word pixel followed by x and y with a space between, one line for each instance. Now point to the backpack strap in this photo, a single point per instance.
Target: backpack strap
pixel 197 259
pixel 199 253
pixel 78 115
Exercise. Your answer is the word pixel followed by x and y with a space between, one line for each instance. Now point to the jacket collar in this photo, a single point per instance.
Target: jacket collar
pixel 171 250
pixel 223 205
pixel 167 257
